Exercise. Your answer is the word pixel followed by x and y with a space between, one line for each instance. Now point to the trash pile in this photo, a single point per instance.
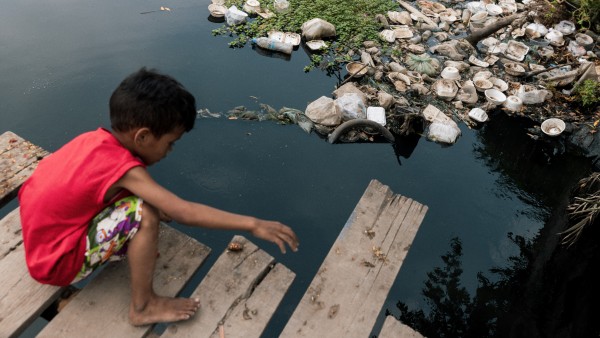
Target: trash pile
pixel 438 65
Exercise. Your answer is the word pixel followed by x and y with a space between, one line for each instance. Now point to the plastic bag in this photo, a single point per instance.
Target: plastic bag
pixel 316 28
pixel 281 6
pixel 324 111
pixel 446 132
pixel 530 95
pixel 235 17
pixel 351 106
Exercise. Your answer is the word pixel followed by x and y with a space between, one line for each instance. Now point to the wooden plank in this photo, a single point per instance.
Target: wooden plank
pixel 393 328
pixel 241 291
pixel 250 316
pixel 346 296
pixel 10 232
pixel 22 299
pixel 101 308
pixel 18 159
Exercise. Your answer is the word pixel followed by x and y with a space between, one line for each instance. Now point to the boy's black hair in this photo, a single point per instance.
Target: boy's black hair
pixel 156 101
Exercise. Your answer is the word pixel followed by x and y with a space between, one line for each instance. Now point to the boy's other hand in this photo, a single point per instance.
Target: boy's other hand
pixel 277 233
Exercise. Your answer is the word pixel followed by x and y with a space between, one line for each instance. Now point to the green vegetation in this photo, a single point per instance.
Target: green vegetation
pixel 588 13
pixel 354 21
pixel 589 92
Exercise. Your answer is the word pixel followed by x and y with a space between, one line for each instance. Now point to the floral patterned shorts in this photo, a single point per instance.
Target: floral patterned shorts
pixel 109 233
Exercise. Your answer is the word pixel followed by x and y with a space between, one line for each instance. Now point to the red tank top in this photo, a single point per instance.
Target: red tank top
pixel 62 196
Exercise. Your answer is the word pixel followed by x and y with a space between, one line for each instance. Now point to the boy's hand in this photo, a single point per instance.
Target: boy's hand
pixel 277 233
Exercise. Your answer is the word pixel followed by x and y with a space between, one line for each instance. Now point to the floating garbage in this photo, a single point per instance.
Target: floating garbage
pixel 565 27
pixel 576 49
pixel 554 37
pixel 317 28
pixel 288 37
pixel 478 115
pixel 402 32
pixel 281 6
pixel 387 35
pixel 251 6
pixel 482 84
pixel 316 44
pixel 468 93
pixel 535 30
pixel 445 132
pixel 479 17
pixel 516 50
pixel 273 44
pixel 553 126
pixel 351 106
pixel 376 114
pixel 499 84
pixel 357 69
pixel 514 69
pixel 584 40
pixel 494 9
pixel 513 103
pixel 324 111
pixel 445 89
pixel 235 17
pixel 494 96
pixel 530 95
pixel 450 73
pixel 479 63
pixel 217 10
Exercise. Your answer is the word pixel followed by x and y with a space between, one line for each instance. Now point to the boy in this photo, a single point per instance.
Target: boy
pixel 93 200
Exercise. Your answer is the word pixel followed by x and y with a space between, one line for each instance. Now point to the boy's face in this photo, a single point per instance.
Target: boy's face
pixel 152 149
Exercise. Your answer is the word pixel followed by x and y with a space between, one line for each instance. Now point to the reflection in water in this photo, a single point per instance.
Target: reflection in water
pixel 545 291
pixel 271 54
pixel 405 145
pixel 542 172
pixel 214 19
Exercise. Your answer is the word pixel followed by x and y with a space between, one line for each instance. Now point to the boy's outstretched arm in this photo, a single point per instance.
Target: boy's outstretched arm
pixel 138 181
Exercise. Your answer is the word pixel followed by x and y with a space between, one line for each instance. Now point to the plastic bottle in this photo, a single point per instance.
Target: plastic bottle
pixel 274 45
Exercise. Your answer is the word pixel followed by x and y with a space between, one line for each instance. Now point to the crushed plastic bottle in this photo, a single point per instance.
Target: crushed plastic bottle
pixel 274 45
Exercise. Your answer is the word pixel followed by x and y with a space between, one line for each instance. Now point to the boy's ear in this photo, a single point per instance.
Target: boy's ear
pixel 141 135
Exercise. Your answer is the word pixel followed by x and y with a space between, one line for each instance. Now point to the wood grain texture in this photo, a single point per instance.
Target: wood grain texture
pixel 243 284
pixel 101 308
pixel 18 159
pixel 350 288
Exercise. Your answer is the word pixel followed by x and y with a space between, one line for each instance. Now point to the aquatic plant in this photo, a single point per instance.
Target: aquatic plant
pixel 587 13
pixel 354 20
pixel 589 92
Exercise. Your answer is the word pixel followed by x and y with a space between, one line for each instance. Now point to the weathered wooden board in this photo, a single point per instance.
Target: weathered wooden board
pixel 22 299
pixel 240 292
pixel 250 316
pixel 393 328
pixel 350 288
pixel 101 308
pixel 10 232
pixel 18 159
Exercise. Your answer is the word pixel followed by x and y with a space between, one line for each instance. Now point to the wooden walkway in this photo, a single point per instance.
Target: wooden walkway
pixel 240 292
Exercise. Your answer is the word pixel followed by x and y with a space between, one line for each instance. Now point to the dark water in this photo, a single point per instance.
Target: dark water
pixel 61 60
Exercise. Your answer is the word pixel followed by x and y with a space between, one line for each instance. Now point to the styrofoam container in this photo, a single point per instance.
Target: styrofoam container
pixel 376 114
pixel 478 115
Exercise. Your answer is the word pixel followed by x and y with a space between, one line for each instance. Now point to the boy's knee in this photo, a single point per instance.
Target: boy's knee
pixel 150 216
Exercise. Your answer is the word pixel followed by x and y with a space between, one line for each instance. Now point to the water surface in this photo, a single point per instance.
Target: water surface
pixel 61 61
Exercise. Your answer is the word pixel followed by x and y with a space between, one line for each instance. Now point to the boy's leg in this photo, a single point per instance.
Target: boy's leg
pixel 109 233
pixel 146 306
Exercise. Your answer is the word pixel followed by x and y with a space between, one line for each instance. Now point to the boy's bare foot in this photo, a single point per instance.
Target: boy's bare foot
pixel 163 309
